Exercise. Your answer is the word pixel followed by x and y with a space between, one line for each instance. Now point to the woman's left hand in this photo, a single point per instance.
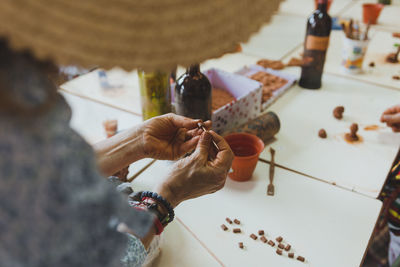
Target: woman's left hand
pixel 170 136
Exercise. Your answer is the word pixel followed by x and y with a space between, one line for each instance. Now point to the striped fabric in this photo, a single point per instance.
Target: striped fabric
pixel 392 190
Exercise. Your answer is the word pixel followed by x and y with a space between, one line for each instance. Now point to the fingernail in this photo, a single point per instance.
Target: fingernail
pixel 206 135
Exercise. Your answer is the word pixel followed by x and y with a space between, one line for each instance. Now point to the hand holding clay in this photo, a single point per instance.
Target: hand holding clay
pixel 199 174
pixel 170 136
pixel 391 117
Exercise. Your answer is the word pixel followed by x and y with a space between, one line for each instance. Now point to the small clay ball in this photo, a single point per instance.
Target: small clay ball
pixel 322 133
pixel 338 112
pixel 354 128
pixel 372 64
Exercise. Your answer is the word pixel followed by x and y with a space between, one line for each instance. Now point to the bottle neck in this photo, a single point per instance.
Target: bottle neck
pixel 322 5
pixel 193 69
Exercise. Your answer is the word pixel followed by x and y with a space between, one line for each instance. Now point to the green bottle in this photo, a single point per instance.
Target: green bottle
pixel 155 93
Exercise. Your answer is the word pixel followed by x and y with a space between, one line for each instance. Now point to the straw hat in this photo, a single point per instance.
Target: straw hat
pixel 147 34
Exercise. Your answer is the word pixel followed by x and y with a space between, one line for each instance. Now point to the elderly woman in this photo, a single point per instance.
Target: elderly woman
pixel 56 208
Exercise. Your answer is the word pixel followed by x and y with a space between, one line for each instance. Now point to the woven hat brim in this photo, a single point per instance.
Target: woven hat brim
pixel 146 34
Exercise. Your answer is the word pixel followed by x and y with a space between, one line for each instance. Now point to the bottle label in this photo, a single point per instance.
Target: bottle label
pixel 317 43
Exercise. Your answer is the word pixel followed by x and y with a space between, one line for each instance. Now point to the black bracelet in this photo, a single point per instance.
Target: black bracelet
pixel 156 197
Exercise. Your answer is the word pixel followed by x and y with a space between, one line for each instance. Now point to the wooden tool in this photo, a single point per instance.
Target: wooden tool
pixel 367 30
pixel 201 126
pixel 351 29
pixel 271 189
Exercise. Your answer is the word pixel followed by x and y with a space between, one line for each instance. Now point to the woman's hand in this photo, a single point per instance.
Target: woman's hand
pixel 201 173
pixel 170 136
pixel 391 117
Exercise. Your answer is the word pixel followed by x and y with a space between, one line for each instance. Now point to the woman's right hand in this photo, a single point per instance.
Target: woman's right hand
pixel 201 173
pixel 391 117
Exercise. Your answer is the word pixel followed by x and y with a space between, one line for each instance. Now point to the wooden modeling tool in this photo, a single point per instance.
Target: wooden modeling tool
pixel 271 189
pixel 201 126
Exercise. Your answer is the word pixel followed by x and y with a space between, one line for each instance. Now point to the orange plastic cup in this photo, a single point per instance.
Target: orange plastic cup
pixel 247 148
pixel 371 12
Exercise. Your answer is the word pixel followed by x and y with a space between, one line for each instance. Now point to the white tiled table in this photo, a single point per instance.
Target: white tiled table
pixel 360 167
pixel 389 17
pixel 304 8
pixel 275 40
pixel 87 119
pixel 327 225
pixel 180 248
pixel 126 96
pixel 381 44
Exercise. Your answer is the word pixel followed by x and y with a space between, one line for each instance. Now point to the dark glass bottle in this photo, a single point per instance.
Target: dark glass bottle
pixel 193 94
pixel 316 43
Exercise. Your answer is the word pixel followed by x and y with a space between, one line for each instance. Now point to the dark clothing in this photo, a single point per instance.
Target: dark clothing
pixel 55 208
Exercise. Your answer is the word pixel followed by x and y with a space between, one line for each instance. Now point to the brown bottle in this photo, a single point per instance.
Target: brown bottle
pixel 316 43
pixel 193 94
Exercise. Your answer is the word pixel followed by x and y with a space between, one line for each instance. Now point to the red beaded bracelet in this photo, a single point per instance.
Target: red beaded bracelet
pixel 157 223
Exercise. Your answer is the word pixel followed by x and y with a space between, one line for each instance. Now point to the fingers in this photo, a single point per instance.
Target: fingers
pixel 194 132
pixel 222 144
pixel 199 131
pixel 189 145
pixel 182 122
pixel 396 128
pixel 392 110
pixel 225 155
pixel 203 146
pixel 391 119
pixel 208 124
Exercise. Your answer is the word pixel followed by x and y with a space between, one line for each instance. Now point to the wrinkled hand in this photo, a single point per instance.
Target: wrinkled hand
pixel 391 117
pixel 170 136
pixel 201 173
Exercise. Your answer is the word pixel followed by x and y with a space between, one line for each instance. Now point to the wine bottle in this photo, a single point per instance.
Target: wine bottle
pixel 155 93
pixel 193 94
pixel 316 43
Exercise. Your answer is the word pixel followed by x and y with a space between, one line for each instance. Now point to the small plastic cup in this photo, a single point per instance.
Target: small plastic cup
pixel 247 148
pixel 371 12
pixel 353 54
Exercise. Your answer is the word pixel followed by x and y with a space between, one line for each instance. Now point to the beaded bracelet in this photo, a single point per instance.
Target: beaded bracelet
pixel 138 201
pixel 156 197
pixel 157 223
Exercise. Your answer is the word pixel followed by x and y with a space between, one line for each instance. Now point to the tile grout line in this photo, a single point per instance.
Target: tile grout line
pixel 363 81
pixel 98 101
pixel 133 177
pixel 291 51
pixel 349 5
pixel 201 243
pixel 315 178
